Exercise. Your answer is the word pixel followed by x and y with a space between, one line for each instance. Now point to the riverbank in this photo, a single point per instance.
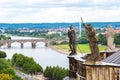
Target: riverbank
pixel 65 51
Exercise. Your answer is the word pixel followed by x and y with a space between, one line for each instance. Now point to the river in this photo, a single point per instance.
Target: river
pixel 44 56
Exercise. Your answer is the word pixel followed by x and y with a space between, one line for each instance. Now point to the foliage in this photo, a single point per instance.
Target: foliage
pixel 4 64
pixel 26 63
pixel 102 39
pixel 8 71
pixel 15 77
pixel 5 77
pixel 117 39
pixel 64 42
pixel 18 60
pixel 55 73
pixel 3 37
pixel 2 54
pixel 53 43
pixel 82 40
pixel 5 70
pixel 52 36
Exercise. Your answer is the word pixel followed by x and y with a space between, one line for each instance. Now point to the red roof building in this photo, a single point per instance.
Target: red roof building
pixel 117 31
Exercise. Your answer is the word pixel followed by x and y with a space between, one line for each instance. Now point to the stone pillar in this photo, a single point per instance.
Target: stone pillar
pixel 46 44
pixel 73 68
pixel 21 45
pixel 33 44
pixel 9 45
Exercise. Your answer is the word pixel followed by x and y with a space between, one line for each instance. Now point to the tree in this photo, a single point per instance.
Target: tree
pixel 53 43
pixel 26 63
pixel 82 40
pixel 8 71
pixel 18 60
pixel 48 72
pixel 15 77
pixel 55 73
pixel 9 38
pixel 2 54
pixel 64 42
pixel 102 39
pixel 5 77
pixel 4 64
pixel 117 39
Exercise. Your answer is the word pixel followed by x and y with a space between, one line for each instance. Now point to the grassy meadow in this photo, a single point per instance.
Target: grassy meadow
pixel 82 48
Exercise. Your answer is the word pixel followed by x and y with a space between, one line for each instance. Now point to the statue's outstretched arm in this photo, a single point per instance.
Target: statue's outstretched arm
pixel 83 23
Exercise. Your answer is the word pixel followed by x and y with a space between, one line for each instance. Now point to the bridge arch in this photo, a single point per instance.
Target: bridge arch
pixel 40 44
pixel 15 44
pixel 22 42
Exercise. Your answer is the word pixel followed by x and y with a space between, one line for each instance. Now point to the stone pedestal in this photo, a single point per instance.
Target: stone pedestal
pixel 73 68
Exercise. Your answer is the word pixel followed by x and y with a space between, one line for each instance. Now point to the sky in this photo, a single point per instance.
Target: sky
pixel 50 11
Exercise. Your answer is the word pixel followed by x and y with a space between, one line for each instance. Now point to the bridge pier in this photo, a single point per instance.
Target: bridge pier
pixel 9 45
pixel 46 44
pixel 33 45
pixel 21 45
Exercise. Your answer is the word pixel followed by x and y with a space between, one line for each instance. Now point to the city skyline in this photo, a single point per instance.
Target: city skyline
pixel 43 11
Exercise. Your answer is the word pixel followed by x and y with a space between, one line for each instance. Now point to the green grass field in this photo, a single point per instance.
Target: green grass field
pixel 82 48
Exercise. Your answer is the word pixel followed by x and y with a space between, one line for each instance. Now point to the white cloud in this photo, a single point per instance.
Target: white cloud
pixel 59 10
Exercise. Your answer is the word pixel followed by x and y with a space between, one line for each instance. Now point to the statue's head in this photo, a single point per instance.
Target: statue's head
pixel 88 24
pixel 109 28
pixel 89 27
pixel 71 27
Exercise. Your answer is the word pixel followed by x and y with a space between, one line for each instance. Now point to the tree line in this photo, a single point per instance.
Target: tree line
pixel 55 73
pixel 27 64
pixel 101 39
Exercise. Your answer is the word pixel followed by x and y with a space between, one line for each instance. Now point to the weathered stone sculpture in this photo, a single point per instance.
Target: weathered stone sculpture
pixel 72 40
pixel 110 39
pixel 93 43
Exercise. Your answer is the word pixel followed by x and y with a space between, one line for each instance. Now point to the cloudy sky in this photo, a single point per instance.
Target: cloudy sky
pixel 39 11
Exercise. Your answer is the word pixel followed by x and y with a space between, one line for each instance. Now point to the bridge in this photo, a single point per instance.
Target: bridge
pixel 33 42
pixel 22 41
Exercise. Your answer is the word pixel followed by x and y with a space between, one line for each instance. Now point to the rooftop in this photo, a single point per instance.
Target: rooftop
pixel 114 58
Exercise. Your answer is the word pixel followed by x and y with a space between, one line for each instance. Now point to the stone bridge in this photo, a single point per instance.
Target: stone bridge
pixel 22 41
pixel 33 42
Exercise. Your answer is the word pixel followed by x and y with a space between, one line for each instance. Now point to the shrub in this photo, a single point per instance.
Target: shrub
pixel 2 54
pixel 55 73
pixel 5 77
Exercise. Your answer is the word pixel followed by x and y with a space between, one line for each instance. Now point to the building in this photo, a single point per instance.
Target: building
pixel 117 31
pixel 106 69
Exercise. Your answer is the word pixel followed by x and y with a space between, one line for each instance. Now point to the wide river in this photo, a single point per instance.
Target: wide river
pixel 44 56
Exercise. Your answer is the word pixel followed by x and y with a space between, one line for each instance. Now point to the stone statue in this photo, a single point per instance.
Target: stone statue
pixel 72 40
pixel 110 39
pixel 93 42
